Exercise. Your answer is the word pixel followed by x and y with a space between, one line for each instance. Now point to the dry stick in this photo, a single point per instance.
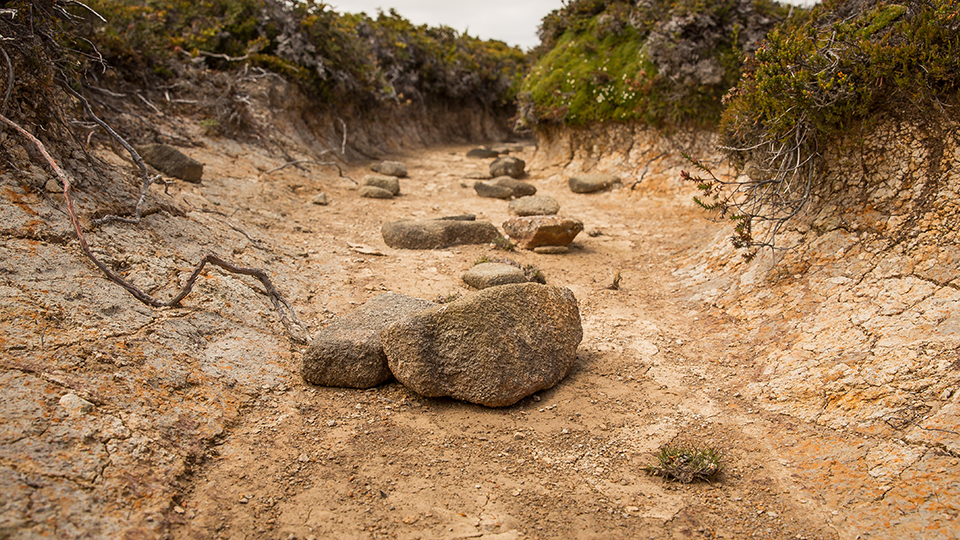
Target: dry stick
pixel 280 304
pixel 6 98
pixel 343 145
pixel 310 161
pixel 147 179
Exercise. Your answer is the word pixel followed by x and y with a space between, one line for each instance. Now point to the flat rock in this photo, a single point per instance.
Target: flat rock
pixel 389 183
pixel 486 275
pixel 590 183
pixel 504 187
pixel 507 166
pixel 320 199
pixel 171 162
pixel 534 205
pixel 493 347
pixel 437 233
pixel 482 153
pixel 374 192
pixel 390 168
pixel 530 232
pixel 348 353
pixel 551 250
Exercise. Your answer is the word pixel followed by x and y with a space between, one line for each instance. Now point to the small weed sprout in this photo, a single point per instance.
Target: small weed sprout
pixel 503 243
pixel 615 284
pixel 687 464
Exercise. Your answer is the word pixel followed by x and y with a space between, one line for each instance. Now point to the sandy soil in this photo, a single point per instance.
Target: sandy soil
pixel 216 436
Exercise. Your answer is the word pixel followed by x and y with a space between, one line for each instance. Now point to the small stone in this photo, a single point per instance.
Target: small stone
pixel 590 183
pixel 373 192
pixel 390 168
pixel 486 275
pixel 75 405
pixel 411 519
pixel 320 199
pixel 518 436
pixel 490 190
pixel 534 205
pixel 482 153
pixel 437 233
pixel 507 166
pixel 172 162
pixel 389 183
pixel 244 500
pixel 534 231
pixel 303 458
pixel 331 423
pixel 178 509
pixel 551 250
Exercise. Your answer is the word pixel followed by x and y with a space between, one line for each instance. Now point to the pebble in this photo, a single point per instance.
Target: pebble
pixel 75 404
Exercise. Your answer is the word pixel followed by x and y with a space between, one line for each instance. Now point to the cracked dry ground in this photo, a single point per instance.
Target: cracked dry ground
pixel 202 427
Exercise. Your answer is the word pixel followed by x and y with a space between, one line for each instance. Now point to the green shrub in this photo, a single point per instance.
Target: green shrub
pixel 813 78
pixel 343 58
pixel 665 62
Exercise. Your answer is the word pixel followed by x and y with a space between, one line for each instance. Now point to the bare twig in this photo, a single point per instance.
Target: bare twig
pixel 146 178
pixel 311 162
pixel 151 105
pixel 84 6
pixel 6 98
pixel 343 145
pixel 288 316
pixel 645 169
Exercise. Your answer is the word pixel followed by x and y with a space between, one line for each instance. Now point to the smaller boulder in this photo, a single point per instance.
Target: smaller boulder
pixel 534 231
pixel 172 162
pixel 507 166
pixel 348 353
pixel 534 205
pixel 374 192
pixel 389 183
pixel 482 153
pixel 492 274
pixel 320 199
pixel 591 183
pixel 390 168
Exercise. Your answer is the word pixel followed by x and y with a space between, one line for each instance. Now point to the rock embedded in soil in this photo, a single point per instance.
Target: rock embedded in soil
pixel 530 232
pixel 493 347
pixel 534 205
pixel 348 353
pixel 507 166
pixel 320 199
pixel 172 162
pixel 437 233
pixel 389 183
pixel 591 183
pixel 374 192
pixel 390 168
pixel 487 275
pixel 504 187
pixel 482 153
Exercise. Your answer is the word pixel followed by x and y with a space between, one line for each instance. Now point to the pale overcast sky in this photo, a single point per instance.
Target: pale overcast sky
pixel 512 21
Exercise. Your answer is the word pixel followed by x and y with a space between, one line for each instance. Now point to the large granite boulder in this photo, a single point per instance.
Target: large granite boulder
pixel 507 166
pixel 590 183
pixel 348 352
pixel 530 232
pixel 493 274
pixel 535 205
pixel 171 162
pixel 437 233
pixel 494 347
pixel 390 168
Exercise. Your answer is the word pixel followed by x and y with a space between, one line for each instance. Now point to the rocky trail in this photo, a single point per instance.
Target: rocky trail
pixel 194 422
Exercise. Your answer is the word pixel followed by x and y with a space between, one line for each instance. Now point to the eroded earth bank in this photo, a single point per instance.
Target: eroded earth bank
pixel 828 380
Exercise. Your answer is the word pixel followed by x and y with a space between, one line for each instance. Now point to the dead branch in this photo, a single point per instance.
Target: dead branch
pixel 288 316
pixel 646 168
pixel 6 98
pixel 151 105
pixel 86 7
pixel 343 145
pixel 146 178
pixel 310 162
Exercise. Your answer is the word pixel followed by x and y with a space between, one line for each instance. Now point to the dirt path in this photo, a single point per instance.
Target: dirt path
pixel 199 425
pixel 308 462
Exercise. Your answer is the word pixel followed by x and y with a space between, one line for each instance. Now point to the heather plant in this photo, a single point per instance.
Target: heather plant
pixel 813 78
